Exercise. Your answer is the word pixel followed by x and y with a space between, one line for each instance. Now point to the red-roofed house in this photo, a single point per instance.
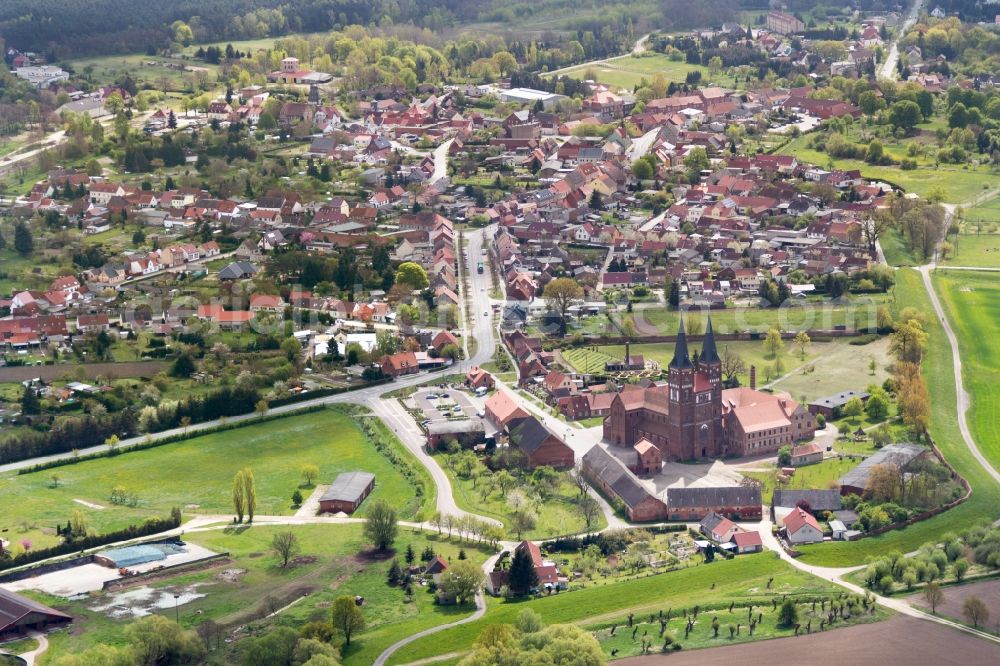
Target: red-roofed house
pixel 266 303
pixel 443 338
pixel 502 410
pixel 396 365
pixel 479 378
pixel 748 542
pixel 801 527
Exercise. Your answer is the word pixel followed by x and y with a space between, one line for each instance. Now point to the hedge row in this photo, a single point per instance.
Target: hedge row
pixel 151 526
pixel 170 439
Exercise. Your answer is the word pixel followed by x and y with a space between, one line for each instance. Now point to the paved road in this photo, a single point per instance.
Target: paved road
pixel 963 400
pixel 441 161
pixel 888 68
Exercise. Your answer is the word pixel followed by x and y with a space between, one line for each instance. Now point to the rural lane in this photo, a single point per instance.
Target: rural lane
pixel 834 575
pixel 962 398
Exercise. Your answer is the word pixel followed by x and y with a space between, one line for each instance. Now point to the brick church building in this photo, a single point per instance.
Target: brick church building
pixel 692 417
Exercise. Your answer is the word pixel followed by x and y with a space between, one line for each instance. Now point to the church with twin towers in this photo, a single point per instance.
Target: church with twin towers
pixel 692 417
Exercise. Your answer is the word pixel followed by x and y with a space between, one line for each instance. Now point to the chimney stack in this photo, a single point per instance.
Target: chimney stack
pixel 753 377
pixel 627 357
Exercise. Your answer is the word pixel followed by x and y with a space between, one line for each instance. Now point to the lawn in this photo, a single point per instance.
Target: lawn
pixel 810 477
pixel 557 515
pixel 588 360
pixel 984 505
pixel 793 315
pixel 335 561
pixel 628 72
pixel 975 250
pixel 741 579
pixel 196 475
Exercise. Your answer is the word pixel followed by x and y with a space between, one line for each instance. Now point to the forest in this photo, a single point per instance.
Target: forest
pixel 94 27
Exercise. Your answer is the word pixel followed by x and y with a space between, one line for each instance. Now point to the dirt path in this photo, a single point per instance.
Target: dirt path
pixel 311 506
pixel 963 400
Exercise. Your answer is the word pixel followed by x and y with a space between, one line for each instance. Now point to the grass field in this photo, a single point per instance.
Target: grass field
pixel 335 561
pixel 972 302
pixel 810 477
pixel 557 515
pixel 105 69
pixel 896 252
pixel 819 314
pixel 958 185
pixel 741 579
pixel 196 475
pixel 983 217
pixel 833 366
pixel 975 250
pixel 628 72
pixel 984 505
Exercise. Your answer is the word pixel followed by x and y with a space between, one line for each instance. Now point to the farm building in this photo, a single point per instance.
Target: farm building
pixel 20 616
pixel 614 480
pixel 806 454
pixel 831 405
pixel 347 492
pixel 737 502
pixel 540 445
pixel 898 455
pixel 813 501
pixel 467 432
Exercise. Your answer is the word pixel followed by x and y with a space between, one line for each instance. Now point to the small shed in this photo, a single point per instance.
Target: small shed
pixel 347 492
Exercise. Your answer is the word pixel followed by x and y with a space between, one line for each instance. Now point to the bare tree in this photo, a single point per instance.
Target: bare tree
pixel 285 544
pixel 590 509
pixel 579 479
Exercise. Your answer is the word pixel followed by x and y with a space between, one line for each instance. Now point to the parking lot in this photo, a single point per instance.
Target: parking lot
pixel 440 404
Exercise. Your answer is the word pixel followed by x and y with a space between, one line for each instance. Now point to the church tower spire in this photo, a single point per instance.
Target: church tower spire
pixel 709 353
pixel 681 358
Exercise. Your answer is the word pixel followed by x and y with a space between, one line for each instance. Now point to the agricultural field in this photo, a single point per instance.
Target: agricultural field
pixel 333 560
pixel 709 585
pixel 627 72
pixel 557 515
pixel 196 475
pixel 980 251
pixel 984 505
pixel 972 302
pixel 818 476
pixel 704 635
